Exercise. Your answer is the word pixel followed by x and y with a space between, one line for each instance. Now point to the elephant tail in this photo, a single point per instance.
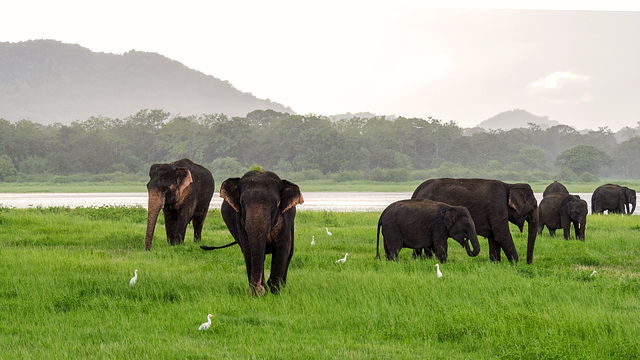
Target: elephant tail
pixel 378 239
pixel 217 247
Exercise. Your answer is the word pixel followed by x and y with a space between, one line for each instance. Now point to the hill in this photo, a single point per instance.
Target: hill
pixel 516 119
pixel 47 81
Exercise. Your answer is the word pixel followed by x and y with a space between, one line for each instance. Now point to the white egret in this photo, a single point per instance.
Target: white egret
pixel 438 270
pixel 206 325
pixel 343 259
pixel 593 273
pixel 313 240
pixel 328 232
pixel 134 278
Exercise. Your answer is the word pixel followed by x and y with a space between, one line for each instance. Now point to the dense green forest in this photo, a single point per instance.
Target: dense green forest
pixel 311 147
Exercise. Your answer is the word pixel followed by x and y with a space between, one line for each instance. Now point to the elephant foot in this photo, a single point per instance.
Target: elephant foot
pixel 258 290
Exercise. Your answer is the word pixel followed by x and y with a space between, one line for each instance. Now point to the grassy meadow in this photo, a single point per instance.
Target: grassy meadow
pixel 65 294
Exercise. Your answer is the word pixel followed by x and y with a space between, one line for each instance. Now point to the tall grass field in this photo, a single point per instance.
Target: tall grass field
pixel 65 294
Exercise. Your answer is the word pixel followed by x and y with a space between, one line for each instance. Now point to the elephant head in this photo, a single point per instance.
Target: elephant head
pixel 523 206
pixel 630 200
pixel 264 208
pixel 168 186
pixel 462 229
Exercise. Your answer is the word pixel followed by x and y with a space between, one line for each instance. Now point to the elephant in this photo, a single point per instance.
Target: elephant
pixel 613 198
pixel 555 188
pixel 259 211
pixel 183 190
pixel 426 224
pixel 559 211
pixel 492 205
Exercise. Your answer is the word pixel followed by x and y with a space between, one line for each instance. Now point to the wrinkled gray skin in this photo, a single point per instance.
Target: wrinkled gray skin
pixel 183 191
pixel 555 188
pixel 426 224
pixel 259 211
pixel 615 199
pixel 492 205
pixel 559 211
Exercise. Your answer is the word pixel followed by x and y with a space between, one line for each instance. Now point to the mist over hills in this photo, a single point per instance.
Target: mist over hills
pixel 47 81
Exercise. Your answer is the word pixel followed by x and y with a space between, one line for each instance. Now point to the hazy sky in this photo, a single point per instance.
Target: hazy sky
pixel 573 61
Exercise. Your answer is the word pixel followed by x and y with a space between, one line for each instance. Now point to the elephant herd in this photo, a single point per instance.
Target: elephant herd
pixel 422 223
pixel 259 211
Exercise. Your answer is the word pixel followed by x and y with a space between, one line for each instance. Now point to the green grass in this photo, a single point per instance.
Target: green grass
pixel 64 294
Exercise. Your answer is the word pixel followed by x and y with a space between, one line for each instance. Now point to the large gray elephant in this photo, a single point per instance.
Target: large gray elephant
pixel 614 198
pixel 492 204
pixel 183 190
pixel 559 211
pixel 426 224
pixel 259 210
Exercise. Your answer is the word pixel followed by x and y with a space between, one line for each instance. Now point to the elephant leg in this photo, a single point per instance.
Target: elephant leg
pixel 552 232
pixel 566 232
pixel 184 218
pixel 441 248
pixel 494 250
pixel 279 265
pixel 428 252
pixel 509 249
pixel 198 223
pixel 171 225
pixel 392 245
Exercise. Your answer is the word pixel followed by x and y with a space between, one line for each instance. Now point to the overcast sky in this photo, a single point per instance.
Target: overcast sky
pixel 573 61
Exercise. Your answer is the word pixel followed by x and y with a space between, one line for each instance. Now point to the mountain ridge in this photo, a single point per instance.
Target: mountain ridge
pixel 48 81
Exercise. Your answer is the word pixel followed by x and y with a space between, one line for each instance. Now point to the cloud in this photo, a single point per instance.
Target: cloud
pixel 561 87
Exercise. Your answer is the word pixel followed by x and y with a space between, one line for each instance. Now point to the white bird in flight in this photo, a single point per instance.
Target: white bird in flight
pixel 313 240
pixel 593 273
pixel 343 259
pixel 205 326
pixel 328 232
pixel 438 270
pixel 134 278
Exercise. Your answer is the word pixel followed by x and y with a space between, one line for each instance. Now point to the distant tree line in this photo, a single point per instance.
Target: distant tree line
pixel 306 147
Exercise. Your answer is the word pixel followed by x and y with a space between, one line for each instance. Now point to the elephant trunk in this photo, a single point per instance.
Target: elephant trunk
pixel 532 232
pixel 633 208
pixel 156 202
pixel 475 244
pixel 257 233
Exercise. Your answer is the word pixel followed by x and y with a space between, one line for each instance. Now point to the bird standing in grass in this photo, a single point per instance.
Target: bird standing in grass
pixel 313 240
pixel 205 326
pixel 328 232
pixel 343 259
pixel 134 278
pixel 438 273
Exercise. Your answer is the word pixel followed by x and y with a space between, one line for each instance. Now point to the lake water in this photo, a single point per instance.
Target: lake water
pixel 331 201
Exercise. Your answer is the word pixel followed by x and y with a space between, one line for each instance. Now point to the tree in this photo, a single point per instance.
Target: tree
pixel 6 167
pixel 582 159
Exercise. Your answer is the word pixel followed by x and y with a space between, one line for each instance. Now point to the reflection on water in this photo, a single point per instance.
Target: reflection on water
pixel 330 201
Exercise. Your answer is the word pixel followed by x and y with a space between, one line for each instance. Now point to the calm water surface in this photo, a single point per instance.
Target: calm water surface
pixel 331 201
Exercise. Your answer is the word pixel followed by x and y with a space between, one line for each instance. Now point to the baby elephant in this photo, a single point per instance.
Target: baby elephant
pixel 426 224
pixel 558 211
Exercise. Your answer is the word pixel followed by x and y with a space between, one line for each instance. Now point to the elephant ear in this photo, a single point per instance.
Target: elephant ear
pixel 290 196
pixel 230 192
pixel 516 199
pixel 449 217
pixel 184 179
